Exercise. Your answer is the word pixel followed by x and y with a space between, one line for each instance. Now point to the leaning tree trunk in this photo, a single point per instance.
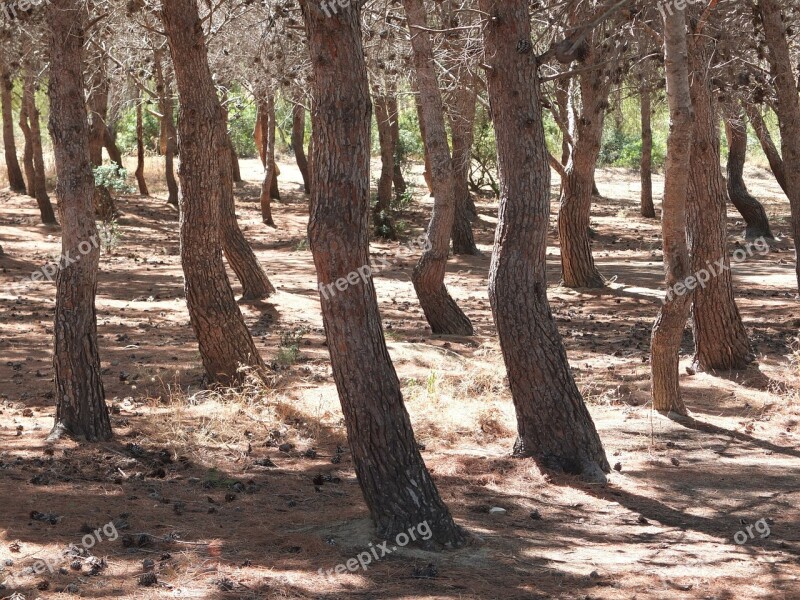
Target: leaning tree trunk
pixel 140 180
pixel 205 175
pixel 767 145
pixel 39 179
pixel 554 426
pixel 462 120
pixel 720 337
pixel 81 410
pixel 788 109
pixel 665 343
pixel 298 143
pixel 751 209
pixel 646 170
pixel 577 264
pixel 15 180
pixel 396 485
pixel 441 311
pixel 168 134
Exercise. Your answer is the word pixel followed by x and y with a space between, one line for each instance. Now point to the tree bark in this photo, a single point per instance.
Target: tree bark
pixel 554 426
pixel 394 114
pixel 462 120
pixel 168 134
pixel 15 180
pixel 665 343
pixel 767 145
pixel 382 211
pixel 751 209
pixel 81 410
pixel 27 151
pixel 646 170
pixel 396 485
pixel 39 186
pixel 441 311
pixel 266 129
pixel 140 180
pixel 788 109
pixel 205 175
pixel 721 341
pixel 298 143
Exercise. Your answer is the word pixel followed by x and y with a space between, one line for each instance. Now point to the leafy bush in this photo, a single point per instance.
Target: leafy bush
pixel 112 177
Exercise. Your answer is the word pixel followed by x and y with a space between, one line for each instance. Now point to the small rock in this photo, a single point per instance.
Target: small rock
pixel 496 510
pixel 427 572
pixel 618 466
pixel 536 515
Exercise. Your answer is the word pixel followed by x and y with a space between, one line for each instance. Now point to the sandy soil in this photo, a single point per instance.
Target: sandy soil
pixel 192 497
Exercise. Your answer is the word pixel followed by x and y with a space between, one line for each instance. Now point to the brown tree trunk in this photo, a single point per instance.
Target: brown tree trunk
pixel 462 120
pixel 168 133
pixel 788 109
pixel 554 426
pixel 266 129
pixel 15 180
pixel 396 485
pixel 140 181
pixel 236 174
pixel 110 142
pixel 646 170
pixel 97 103
pixel 39 179
pixel 382 211
pixel 767 145
pixel 441 311
pixel 298 143
pixel 751 209
pixel 665 343
pixel 394 114
pixel 27 151
pixel 81 410
pixel 426 173
pixel 577 264
pixel 205 175
pixel 719 334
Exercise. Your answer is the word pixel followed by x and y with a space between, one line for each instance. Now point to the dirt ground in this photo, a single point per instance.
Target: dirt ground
pixel 250 494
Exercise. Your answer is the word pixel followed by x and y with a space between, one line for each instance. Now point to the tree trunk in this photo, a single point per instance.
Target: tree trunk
pixel 266 127
pixel 39 179
pixel 648 210
pixel 168 133
pixel 205 175
pixel 80 399
pixel 767 145
pixel 298 143
pixel 426 173
pixel 394 114
pixel 110 142
pixel 788 109
pixel 140 181
pixel 719 334
pixel 15 180
pixel 462 120
pixel 97 103
pixel 751 209
pixel 441 311
pixel 554 426
pixel 665 343
pixel 396 485
pixel 27 151
pixel 382 211
pixel 577 263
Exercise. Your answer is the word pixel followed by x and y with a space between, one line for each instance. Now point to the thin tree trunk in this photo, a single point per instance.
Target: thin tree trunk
pixel 767 145
pixel 27 151
pixel 39 179
pixel 462 120
pixel 15 180
pixel 140 181
pixel 397 488
pixel 110 142
pixel 394 115
pixel 382 211
pixel 665 343
pixel 266 126
pixel 168 133
pixel 298 143
pixel 788 109
pixel 554 426
pixel 646 170
pixel 97 103
pixel 720 337
pixel 426 173
pixel 441 311
pixel 751 209
pixel 205 175
pixel 80 399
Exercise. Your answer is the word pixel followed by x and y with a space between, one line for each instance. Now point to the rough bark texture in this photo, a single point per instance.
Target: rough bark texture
pixel 265 129
pixel 97 104
pixel 298 143
pixel 719 334
pixel 788 109
pixel 396 485
pixel 39 187
pixel 169 143
pixel 767 145
pixel 15 180
pixel 205 175
pixel 27 151
pixel 751 209
pixel 462 119
pixel 140 180
pixel 665 343
pixel 382 211
pixel 646 166
pixel 394 113
pixel 81 410
pixel 441 311
pixel 554 426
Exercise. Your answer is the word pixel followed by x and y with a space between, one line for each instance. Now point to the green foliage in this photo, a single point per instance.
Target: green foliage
pixel 483 172
pixel 289 349
pixel 126 130
pixel 241 123
pixel 110 235
pixel 409 145
pixel 112 177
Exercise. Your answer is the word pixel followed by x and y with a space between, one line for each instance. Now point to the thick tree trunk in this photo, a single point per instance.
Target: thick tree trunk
pixel 665 343
pixel 382 211
pixel 788 109
pixel 462 120
pixel 15 180
pixel 646 167
pixel 394 114
pixel 767 145
pixel 140 181
pixel 168 133
pixel 298 143
pixel 751 209
pixel 39 179
pixel 205 175
pixel 80 400
pixel 720 338
pixel 396 485
pixel 441 311
pixel 554 426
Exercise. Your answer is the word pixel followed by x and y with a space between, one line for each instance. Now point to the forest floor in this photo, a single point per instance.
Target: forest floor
pixel 235 495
